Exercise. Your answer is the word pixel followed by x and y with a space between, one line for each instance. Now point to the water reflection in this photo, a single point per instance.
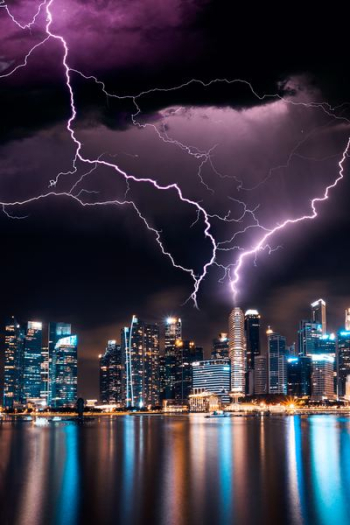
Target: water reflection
pixel 177 470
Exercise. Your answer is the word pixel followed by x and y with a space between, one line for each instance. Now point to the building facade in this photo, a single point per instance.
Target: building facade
pixel 237 346
pixel 32 360
pixel 277 366
pixel 343 360
pixel 111 374
pixel 213 376
pixel 14 345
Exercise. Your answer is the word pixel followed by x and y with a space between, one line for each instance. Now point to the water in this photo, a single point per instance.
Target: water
pixel 177 470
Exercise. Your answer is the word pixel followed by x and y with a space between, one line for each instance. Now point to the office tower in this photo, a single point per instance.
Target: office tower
pixel 162 378
pixel 318 311
pixel 44 372
pixel 343 361
pixel 64 384
pixel 252 335
pixel 140 350
pixel 14 339
pixel 347 319
pixel 220 347
pixel 299 376
pixel 55 332
pixel 277 377
pixel 111 374
pixel 309 334
pixel 173 333
pixel 260 375
pixel 322 377
pixel 186 353
pixel 237 346
pixel 213 376
pixel 32 360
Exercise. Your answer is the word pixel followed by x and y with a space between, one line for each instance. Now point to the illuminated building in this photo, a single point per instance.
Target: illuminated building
pixel 277 372
pixel 260 375
pixel 309 335
pixel 55 332
pixel 237 346
pixel 162 378
pixel 220 347
pixel 318 311
pixel 347 319
pixel 212 376
pixel 64 378
pixel 32 360
pixel 252 337
pixel 140 350
pixel 343 360
pixel 111 374
pixel 14 339
pixel 44 372
pixel 299 376
pixel 173 333
pixel 322 377
pixel 186 353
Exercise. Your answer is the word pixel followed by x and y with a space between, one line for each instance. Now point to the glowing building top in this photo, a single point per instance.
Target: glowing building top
pixel 318 310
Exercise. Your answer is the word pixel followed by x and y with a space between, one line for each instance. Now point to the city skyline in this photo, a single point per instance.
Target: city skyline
pixel 88 388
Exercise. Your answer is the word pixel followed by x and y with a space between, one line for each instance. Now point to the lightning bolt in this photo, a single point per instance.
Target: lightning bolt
pixel 232 271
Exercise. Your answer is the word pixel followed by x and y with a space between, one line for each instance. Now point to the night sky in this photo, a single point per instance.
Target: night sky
pixel 96 265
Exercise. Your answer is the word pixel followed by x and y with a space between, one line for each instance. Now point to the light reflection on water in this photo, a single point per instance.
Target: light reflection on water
pixel 177 470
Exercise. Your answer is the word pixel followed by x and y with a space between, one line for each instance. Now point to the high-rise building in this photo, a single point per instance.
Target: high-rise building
pixel 326 344
pixel 343 360
pixel 260 375
pixel 237 346
pixel 252 335
pixel 299 376
pixel 277 367
pixel 111 374
pixel 14 339
pixel 347 319
pixel 56 331
pixel 212 376
pixel 140 350
pixel 32 360
pixel 64 377
pixel 309 335
pixel 186 353
pixel 45 376
pixel 162 378
pixel 318 311
pixel 173 333
pixel 220 347
pixel 322 377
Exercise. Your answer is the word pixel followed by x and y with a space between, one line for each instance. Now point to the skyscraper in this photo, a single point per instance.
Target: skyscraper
pixel 32 360
pixel 299 376
pixel 276 347
pixel 55 332
pixel 309 335
pixel 237 346
pixel 343 360
pixel 173 333
pixel 65 372
pixel 111 374
pixel 186 353
pixel 318 311
pixel 260 375
pixel 14 339
pixel 140 349
pixel 252 334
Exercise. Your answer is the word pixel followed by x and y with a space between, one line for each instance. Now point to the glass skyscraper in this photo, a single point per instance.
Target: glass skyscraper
pixel 65 372
pixel 32 360
pixel 277 366
pixel 14 342
pixel 111 374
pixel 212 376
pixel 343 360
pixel 173 333
pixel 140 350
pixel 318 311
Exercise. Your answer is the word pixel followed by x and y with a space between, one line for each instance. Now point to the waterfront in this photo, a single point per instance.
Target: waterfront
pixel 177 470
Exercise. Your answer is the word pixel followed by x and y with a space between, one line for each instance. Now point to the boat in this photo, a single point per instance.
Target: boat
pixel 217 413
pixel 56 418
pixel 41 422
